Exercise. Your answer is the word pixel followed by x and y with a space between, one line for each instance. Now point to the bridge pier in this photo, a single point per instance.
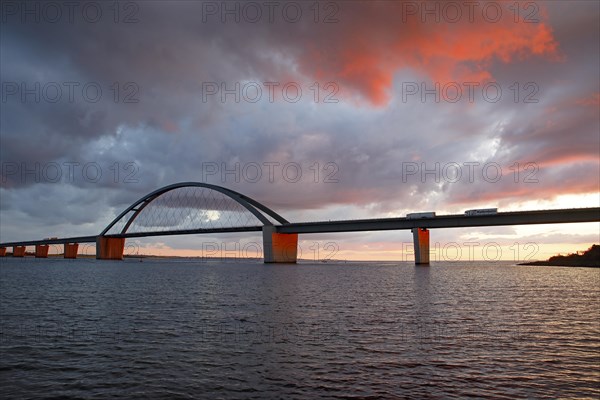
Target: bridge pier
pixel 2 251
pixel 71 250
pixel 279 247
pixel 108 248
pixel 421 243
pixel 41 250
pixel 19 251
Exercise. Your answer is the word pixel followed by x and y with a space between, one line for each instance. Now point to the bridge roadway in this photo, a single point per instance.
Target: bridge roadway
pixel 569 215
pixel 557 216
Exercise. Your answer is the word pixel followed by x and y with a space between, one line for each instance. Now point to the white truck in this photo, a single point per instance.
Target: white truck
pixel 481 211
pixel 418 215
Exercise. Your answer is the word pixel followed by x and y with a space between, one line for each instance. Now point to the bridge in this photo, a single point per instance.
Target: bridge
pixel 201 208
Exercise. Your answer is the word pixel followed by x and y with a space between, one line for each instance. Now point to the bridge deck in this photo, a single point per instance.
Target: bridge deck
pixel 570 215
pixel 79 239
pixel 448 221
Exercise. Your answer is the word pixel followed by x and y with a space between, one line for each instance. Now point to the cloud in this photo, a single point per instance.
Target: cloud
pixel 372 43
pixel 352 154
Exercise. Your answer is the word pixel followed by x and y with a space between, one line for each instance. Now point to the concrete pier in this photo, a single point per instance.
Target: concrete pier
pixel 108 248
pixel 19 251
pixel 71 250
pixel 279 247
pixel 41 250
pixel 421 242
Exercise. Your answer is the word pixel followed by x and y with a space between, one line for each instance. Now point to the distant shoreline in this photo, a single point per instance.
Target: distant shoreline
pixel 548 264
pixel 590 258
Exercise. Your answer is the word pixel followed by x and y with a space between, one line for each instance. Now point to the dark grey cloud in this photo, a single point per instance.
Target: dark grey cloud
pixel 171 134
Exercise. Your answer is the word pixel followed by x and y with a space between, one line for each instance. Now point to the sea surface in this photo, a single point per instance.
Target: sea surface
pixel 185 329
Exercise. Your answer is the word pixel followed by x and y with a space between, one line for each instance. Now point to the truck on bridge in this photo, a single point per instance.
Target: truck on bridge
pixel 481 211
pixel 418 215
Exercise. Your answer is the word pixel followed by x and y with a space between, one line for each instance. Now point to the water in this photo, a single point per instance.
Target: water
pixel 191 329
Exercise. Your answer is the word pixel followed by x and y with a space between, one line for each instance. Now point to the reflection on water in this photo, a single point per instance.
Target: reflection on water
pixel 188 329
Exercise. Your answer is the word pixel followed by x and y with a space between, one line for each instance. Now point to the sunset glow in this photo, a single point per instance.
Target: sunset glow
pixel 357 110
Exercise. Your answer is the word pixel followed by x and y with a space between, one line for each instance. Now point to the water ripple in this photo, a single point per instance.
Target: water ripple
pixel 187 330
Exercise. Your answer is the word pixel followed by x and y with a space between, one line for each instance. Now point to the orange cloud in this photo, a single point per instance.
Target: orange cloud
pixel 375 40
pixel 593 100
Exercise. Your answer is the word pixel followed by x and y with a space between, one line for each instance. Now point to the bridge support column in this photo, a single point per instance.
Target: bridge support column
pixel 2 251
pixel 41 250
pixel 19 251
pixel 71 250
pixel 108 248
pixel 279 247
pixel 421 242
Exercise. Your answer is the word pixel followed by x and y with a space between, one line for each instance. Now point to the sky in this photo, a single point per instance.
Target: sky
pixel 319 110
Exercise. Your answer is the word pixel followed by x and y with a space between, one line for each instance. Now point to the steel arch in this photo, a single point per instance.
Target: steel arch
pixel 248 203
